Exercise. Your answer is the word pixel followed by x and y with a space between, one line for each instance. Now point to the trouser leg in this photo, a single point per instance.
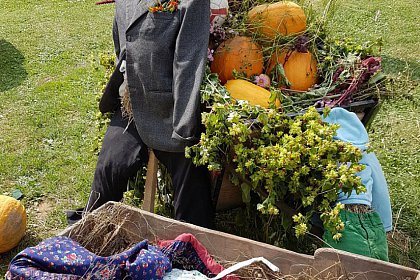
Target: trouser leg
pixel 192 189
pixel 121 156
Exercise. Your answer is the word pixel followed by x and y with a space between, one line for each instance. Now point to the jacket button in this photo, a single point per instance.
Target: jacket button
pixel 129 38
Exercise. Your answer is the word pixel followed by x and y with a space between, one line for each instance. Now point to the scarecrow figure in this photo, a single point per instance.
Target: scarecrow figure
pixel 161 49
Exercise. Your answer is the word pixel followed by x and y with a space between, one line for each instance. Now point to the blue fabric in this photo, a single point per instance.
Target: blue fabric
pixel 351 128
pixel 380 194
pixel 377 196
pixel 367 180
pixel 176 252
pixel 64 259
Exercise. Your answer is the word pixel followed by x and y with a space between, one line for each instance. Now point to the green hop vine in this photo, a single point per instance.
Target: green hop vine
pixel 282 159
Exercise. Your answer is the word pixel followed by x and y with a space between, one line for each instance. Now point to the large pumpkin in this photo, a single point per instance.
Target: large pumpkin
pixel 283 17
pixel 299 68
pixel 244 90
pixel 12 222
pixel 239 53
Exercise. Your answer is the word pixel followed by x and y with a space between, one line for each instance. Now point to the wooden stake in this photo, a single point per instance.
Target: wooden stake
pixel 151 183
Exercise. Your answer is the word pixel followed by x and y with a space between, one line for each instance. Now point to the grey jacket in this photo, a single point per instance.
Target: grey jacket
pixel 165 55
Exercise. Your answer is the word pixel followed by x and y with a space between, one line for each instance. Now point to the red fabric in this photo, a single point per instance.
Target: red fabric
pixel 105 2
pixel 202 252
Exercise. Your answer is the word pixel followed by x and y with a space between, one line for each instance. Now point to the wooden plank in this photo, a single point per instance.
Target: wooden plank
pixel 140 225
pixel 336 262
pixel 150 185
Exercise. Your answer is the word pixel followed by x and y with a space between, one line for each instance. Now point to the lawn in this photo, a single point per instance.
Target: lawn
pixel 49 81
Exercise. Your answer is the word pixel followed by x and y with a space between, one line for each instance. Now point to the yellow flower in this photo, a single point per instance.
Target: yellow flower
pixel 337 236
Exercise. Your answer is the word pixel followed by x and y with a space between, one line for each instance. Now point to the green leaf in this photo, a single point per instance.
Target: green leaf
pixel 246 192
pixel 326 111
pixel 272 235
pixel 379 76
pixel 286 222
pixel 273 97
pixel 282 75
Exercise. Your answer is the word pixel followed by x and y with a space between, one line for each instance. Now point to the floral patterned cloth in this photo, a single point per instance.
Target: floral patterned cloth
pixel 64 259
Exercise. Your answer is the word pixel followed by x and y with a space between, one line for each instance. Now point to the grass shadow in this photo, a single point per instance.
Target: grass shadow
pixel 396 66
pixel 29 240
pixel 12 72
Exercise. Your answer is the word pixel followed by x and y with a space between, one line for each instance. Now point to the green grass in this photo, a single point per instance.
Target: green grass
pixel 395 132
pixel 48 107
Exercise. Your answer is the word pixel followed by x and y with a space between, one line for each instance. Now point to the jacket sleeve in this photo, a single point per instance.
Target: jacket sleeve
pixel 380 195
pixel 116 39
pixel 110 98
pixel 188 68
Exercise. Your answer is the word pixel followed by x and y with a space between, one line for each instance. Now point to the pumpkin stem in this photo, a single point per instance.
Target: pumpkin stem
pixel 301 44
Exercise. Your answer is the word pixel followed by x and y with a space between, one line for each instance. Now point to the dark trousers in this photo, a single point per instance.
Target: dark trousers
pixel 122 154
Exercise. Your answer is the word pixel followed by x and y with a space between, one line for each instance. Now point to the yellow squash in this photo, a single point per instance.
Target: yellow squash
pixel 12 222
pixel 244 90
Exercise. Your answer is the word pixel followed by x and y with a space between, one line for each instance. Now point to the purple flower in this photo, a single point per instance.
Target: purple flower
pixel 217 32
pixel 262 80
pixel 210 54
pixel 221 32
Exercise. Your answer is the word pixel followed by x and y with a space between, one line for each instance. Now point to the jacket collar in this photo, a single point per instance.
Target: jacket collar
pixel 137 8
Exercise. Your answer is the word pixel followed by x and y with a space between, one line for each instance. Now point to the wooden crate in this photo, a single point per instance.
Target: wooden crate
pixel 139 225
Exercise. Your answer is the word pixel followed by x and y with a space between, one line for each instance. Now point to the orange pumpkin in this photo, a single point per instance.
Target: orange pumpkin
pixel 299 68
pixel 283 17
pixel 239 53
